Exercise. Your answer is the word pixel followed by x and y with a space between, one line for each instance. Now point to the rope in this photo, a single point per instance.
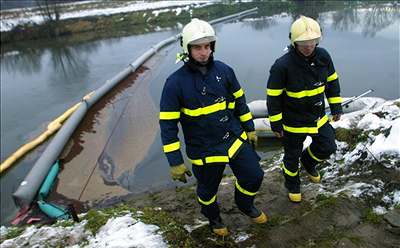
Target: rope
pixel 102 152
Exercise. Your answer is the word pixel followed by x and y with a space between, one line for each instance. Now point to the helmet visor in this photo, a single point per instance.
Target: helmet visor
pixel 312 42
pixel 202 40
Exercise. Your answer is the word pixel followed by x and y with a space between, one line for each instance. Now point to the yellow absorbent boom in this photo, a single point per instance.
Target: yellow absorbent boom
pixel 51 129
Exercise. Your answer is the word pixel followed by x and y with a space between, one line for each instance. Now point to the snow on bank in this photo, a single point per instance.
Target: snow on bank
pixel 33 16
pixel 359 170
pixel 123 231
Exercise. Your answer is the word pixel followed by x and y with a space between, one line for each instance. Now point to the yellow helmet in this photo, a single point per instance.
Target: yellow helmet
pixel 196 32
pixel 303 29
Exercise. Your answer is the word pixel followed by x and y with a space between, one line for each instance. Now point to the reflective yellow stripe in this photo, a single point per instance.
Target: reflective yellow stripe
pixel 236 145
pixel 205 110
pixel 243 190
pixel 313 156
pixel 207 202
pixel 231 105
pixel 172 147
pixel 169 115
pixel 277 117
pixel 210 160
pixel 322 121
pixel 274 92
pixel 310 130
pixel 222 159
pixel 238 93
pixel 288 172
pixel 305 93
pixel 246 117
pixel 332 77
pixel 217 159
pixel 333 100
pixel 196 161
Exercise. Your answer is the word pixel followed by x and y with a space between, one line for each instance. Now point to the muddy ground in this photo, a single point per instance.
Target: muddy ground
pixel 318 221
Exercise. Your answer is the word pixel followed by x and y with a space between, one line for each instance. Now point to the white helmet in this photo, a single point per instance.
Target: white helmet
pixel 196 32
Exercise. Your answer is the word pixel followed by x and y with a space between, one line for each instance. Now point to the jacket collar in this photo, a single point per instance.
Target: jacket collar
pixel 315 59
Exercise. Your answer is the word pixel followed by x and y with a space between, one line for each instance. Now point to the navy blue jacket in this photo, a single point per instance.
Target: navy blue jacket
pixel 212 111
pixel 295 92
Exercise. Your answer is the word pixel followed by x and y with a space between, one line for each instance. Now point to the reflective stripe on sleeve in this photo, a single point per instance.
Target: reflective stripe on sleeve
pixel 169 115
pixel 245 117
pixel 276 117
pixel 172 147
pixel 332 77
pixel 274 92
pixel 333 100
pixel 238 93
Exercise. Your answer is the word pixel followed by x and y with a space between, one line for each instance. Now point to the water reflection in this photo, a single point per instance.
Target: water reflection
pixel 27 62
pixel 342 15
pixel 379 18
pixel 348 19
pixel 67 60
pixel 261 24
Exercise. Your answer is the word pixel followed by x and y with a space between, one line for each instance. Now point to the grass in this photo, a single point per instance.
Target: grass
pixel 351 136
pixel 369 216
pixel 276 220
pixel 64 223
pixel 171 228
pixel 325 200
pixel 13 232
pixel 96 219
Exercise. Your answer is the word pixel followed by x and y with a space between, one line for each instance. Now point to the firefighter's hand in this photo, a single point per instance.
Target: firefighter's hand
pixel 179 172
pixel 279 134
pixel 252 136
pixel 336 117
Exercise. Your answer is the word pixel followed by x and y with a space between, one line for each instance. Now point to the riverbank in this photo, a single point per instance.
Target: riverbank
pixel 356 205
pixel 116 18
pixel 122 18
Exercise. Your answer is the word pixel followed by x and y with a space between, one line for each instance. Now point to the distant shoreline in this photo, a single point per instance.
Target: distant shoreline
pixel 136 22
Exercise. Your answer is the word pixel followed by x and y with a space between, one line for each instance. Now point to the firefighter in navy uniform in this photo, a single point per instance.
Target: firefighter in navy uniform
pixel 295 92
pixel 206 98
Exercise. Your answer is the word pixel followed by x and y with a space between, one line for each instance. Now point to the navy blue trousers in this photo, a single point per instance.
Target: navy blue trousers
pixel 322 146
pixel 246 168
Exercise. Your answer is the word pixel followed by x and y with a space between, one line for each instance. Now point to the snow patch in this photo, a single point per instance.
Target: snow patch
pixel 240 237
pixel 125 231
pixel 33 16
pixel 198 223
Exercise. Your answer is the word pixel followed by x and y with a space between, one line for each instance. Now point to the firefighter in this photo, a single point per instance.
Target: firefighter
pixel 205 97
pixel 296 87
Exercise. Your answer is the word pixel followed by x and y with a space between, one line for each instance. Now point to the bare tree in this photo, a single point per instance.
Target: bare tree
pixel 49 9
pixel 51 12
